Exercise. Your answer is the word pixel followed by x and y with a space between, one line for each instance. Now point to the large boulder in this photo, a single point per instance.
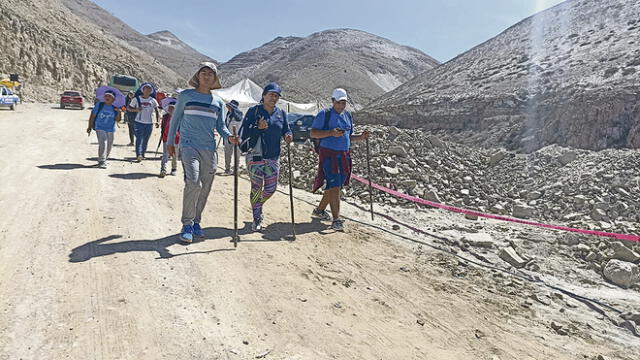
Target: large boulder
pixel 622 273
pixel 623 253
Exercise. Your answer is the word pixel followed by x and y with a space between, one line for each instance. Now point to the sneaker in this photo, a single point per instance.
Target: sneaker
pixel 174 172
pixel 338 225
pixel 228 172
pixel 163 173
pixel 102 164
pixel 256 226
pixel 139 158
pixel 130 144
pixel 321 214
pixel 187 234
pixel 197 231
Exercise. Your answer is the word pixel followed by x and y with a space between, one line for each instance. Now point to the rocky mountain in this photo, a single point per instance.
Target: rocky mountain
pixel 567 76
pixel 309 68
pixel 164 46
pixel 54 49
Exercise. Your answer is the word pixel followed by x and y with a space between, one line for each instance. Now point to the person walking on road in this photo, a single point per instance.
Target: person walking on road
pixel 103 120
pixel 145 105
pixel 168 105
pixel 234 118
pixel 130 118
pixel 334 128
pixel 263 129
pixel 197 113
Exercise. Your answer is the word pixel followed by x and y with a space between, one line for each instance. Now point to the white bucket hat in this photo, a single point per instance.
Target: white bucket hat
pixel 195 82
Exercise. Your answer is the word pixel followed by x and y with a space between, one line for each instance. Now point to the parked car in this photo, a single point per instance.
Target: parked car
pixel 300 125
pixel 8 98
pixel 71 98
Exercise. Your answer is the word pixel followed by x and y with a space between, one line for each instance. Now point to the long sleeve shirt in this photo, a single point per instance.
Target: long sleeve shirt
pixel 197 115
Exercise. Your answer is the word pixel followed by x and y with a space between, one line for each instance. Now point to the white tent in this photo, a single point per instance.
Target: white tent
pixel 247 93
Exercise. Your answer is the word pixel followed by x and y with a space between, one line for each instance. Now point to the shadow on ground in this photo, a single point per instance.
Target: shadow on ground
pixel 105 246
pixel 133 176
pixel 67 166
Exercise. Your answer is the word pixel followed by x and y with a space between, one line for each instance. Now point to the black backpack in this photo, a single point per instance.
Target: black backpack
pixel 325 126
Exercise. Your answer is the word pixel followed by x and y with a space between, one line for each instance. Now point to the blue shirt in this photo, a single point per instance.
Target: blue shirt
pixel 342 121
pixel 197 115
pixel 106 119
pixel 269 138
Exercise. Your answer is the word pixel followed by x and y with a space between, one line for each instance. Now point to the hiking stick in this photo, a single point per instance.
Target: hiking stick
pixel 369 177
pixel 293 221
pixel 235 191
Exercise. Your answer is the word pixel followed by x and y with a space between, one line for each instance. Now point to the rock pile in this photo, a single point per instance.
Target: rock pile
pixel 594 190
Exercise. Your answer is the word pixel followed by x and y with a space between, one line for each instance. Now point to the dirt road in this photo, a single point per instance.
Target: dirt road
pixel 90 268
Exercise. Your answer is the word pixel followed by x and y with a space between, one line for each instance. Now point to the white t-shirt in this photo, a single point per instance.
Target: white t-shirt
pixel 148 107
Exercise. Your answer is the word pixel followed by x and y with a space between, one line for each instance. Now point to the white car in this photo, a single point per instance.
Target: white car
pixel 8 98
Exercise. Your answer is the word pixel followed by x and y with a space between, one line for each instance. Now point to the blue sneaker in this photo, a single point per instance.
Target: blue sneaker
pixel 187 234
pixel 197 231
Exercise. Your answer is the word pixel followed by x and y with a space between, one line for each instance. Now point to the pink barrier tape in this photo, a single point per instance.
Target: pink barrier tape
pixel 491 216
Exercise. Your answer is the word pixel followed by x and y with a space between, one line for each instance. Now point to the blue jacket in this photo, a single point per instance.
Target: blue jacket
pixel 271 136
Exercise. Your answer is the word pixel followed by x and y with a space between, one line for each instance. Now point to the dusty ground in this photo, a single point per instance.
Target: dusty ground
pixel 90 268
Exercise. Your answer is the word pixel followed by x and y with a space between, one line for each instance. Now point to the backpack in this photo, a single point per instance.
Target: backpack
pixel 247 143
pixel 325 126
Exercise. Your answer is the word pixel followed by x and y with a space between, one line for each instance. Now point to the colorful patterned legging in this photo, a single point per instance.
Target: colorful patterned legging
pixel 264 180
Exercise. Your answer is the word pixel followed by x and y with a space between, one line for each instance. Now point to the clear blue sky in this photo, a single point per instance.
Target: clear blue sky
pixel 222 29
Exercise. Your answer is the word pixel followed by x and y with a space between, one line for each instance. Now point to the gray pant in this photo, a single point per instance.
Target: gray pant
pixel 105 143
pixel 199 170
pixel 165 158
pixel 228 155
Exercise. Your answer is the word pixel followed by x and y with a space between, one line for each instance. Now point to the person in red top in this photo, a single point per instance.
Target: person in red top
pixel 168 104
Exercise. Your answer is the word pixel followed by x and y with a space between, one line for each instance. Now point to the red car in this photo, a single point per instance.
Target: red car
pixel 71 98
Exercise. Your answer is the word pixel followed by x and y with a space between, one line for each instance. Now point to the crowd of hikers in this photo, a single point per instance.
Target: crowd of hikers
pixel 187 134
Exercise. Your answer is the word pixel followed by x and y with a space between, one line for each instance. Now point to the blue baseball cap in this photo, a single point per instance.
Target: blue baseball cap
pixel 272 87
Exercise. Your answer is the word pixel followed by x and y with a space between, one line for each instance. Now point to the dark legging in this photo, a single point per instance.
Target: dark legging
pixel 130 118
pixel 143 133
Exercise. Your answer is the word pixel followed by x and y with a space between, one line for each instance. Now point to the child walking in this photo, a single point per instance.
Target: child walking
pixel 168 105
pixel 103 120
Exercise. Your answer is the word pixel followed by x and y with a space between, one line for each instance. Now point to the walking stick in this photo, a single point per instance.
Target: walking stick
pixel 293 221
pixel 369 177
pixel 235 191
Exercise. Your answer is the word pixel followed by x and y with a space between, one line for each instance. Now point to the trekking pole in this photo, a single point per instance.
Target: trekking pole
pixel 369 177
pixel 293 221
pixel 235 191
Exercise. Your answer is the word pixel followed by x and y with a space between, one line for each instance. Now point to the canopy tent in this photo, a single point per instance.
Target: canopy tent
pixel 247 93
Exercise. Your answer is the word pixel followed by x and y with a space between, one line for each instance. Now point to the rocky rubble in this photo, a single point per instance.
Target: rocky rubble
pixel 577 188
pixel 593 190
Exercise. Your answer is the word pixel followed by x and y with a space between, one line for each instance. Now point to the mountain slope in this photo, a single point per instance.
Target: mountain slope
pixel 164 46
pixel 53 49
pixel 309 68
pixel 566 76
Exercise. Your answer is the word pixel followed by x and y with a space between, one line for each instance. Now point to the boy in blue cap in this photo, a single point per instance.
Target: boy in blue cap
pixel 263 128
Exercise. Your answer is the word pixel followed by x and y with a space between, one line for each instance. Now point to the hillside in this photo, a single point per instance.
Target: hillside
pixel 164 46
pixel 309 68
pixel 67 52
pixel 566 76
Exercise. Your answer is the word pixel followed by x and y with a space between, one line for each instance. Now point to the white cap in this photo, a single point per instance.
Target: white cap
pixel 339 94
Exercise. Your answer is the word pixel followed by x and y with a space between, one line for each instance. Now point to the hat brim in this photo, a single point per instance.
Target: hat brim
pixel 195 82
pixel 343 98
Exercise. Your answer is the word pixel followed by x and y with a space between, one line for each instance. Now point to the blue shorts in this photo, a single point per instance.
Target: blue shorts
pixel 335 177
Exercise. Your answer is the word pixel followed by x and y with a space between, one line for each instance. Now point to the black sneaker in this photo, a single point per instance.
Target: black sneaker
pixel 320 214
pixel 338 225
